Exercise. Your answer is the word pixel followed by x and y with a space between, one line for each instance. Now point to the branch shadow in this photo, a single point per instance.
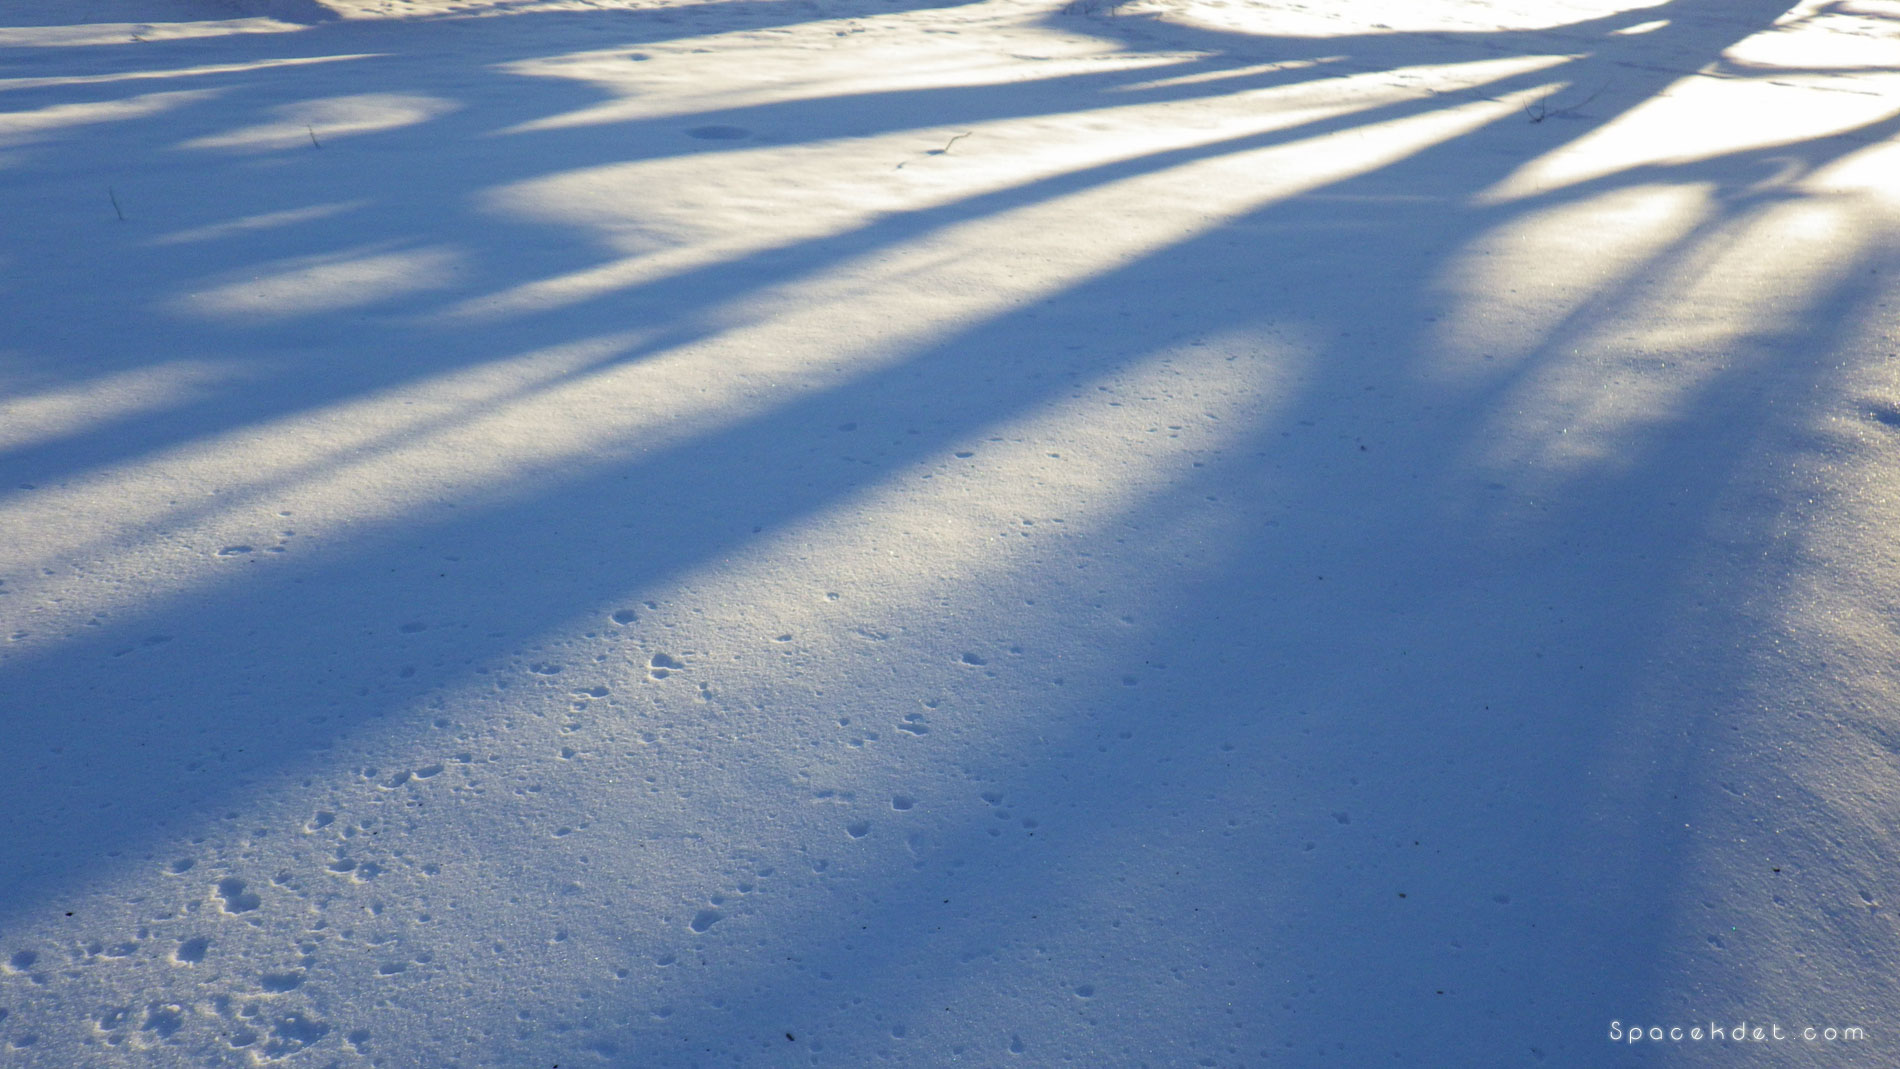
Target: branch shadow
pixel 1301 679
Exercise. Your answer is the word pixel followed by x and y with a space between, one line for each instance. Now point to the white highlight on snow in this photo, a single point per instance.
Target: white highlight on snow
pixel 1699 119
pixel 310 285
pixel 1104 468
pixel 1816 38
pixel 83 35
pixel 807 335
pixel 1843 58
pixel 298 747
pixel 200 71
pixel 362 460
pixel 1871 174
pixel 20 127
pixel 31 418
pixel 1531 282
pixel 1225 74
pixel 330 117
pixel 1652 332
pixel 253 223
pixel 691 76
pixel 675 214
pixel 1390 18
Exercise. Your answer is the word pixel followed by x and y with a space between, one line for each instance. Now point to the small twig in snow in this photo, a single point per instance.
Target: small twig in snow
pixel 946 147
pixel 1544 110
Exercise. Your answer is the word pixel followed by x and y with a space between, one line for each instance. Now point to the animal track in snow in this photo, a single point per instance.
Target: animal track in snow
pixel 291 1033
pixel 235 898
pixel 163 1020
pixel 147 642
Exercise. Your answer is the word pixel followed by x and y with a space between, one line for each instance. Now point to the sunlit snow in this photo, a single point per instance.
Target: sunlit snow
pixel 904 532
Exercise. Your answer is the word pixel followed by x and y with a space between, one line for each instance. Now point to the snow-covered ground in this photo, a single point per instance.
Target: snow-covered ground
pixel 860 532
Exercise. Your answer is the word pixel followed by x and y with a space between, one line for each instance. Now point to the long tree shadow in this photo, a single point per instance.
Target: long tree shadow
pixel 553 151
pixel 1304 670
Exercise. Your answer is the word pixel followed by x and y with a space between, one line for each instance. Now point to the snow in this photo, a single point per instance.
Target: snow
pixel 857 532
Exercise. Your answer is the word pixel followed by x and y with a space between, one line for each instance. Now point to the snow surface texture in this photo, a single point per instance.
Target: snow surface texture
pixel 856 532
